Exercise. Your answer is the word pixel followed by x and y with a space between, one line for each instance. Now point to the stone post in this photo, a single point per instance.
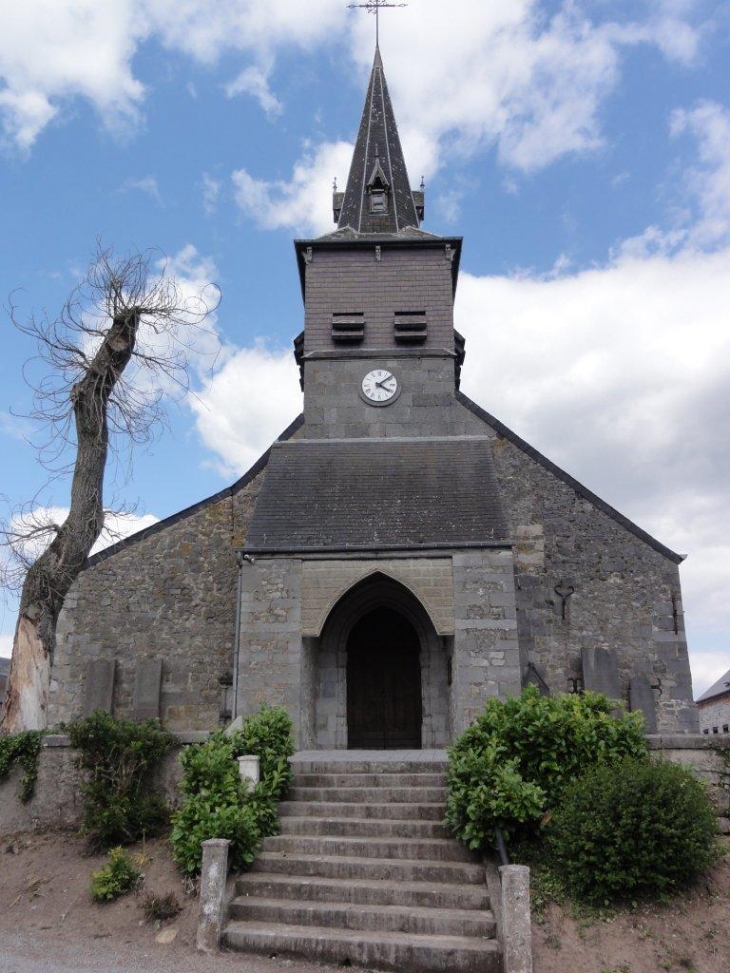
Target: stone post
pixel 517 928
pixel 249 769
pixel 213 878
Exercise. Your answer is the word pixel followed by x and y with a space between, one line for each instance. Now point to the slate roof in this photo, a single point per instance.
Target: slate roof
pixel 719 688
pixel 378 144
pixel 375 494
pixel 4 667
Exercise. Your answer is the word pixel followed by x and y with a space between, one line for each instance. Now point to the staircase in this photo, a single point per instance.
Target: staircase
pixel 363 872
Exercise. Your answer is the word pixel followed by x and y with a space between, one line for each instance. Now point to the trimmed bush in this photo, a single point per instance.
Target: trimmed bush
pixel 119 876
pixel 118 757
pixel 631 830
pixel 510 766
pixel 218 804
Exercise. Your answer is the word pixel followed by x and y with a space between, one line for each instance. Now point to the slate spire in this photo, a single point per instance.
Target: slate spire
pixel 378 196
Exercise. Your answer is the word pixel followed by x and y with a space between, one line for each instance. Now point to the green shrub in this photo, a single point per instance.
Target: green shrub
pixel 119 876
pixel 218 804
pixel 21 750
pixel 634 829
pixel 509 767
pixel 118 757
pixel 267 735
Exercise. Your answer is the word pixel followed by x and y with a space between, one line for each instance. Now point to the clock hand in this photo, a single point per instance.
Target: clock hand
pixel 381 385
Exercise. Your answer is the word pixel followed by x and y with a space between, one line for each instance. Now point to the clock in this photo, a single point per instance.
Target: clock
pixel 380 387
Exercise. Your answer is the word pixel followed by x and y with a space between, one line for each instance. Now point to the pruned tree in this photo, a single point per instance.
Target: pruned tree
pixel 120 343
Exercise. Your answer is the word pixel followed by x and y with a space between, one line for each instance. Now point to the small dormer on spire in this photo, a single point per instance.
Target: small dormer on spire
pixel 378 196
pixel 378 189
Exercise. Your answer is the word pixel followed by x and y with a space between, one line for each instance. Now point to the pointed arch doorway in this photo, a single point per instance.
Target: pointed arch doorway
pixel 384 708
pixel 378 672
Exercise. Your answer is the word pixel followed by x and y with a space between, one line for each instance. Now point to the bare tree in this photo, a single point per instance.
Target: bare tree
pixel 121 342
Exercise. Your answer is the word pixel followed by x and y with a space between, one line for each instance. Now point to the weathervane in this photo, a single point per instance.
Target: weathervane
pixel 374 7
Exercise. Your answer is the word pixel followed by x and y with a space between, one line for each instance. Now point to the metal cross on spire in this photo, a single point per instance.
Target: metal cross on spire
pixel 374 7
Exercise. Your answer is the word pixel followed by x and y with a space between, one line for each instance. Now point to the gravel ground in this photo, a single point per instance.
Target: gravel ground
pixel 20 953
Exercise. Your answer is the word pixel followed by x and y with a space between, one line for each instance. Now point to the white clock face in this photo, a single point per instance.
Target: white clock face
pixel 379 385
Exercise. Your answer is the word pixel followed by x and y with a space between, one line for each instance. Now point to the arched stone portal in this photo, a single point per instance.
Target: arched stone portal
pixel 379 653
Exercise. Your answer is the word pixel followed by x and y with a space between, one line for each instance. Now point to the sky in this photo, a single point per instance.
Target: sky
pixel 582 149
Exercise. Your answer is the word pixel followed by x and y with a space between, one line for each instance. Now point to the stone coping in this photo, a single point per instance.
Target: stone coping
pixel 687 741
pixel 659 741
pixel 59 740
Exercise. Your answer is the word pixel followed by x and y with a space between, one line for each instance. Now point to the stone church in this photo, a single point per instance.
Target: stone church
pixel 398 556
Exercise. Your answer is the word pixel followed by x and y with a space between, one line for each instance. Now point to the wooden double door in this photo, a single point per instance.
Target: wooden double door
pixel 384 709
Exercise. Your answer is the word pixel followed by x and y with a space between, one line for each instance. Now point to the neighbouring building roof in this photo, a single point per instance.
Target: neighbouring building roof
pixel 4 667
pixel 719 688
pixel 367 494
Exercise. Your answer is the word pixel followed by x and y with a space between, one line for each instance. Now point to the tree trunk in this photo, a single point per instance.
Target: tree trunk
pixel 28 682
pixel 50 577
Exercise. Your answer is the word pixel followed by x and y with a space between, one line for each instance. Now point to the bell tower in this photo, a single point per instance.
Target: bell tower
pixel 379 355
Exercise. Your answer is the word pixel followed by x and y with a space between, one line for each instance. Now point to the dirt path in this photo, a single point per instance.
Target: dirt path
pixel 48 924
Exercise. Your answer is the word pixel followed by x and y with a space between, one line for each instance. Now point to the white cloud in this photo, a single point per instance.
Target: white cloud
pixel 205 29
pixel 254 81
pixel 709 182
pixel 147 185
pixel 509 74
pixel 37 527
pixel 302 204
pixel 6 645
pixel 55 50
pixel 52 50
pixel 621 374
pixel 707 667
pixel 501 73
pixel 211 192
pixel 252 398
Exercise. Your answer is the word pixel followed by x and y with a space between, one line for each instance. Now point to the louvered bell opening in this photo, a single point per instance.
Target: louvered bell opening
pixel 348 328
pixel 410 327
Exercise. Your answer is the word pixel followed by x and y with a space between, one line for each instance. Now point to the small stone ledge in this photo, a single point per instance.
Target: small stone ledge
pixel 183 737
pixel 56 740
pixel 687 741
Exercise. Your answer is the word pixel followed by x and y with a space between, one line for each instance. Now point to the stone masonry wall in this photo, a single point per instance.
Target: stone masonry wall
pixel 426 406
pixel 486 657
pixel 170 595
pixel 622 596
pixel 715 715
pixel 272 668
pixel 402 279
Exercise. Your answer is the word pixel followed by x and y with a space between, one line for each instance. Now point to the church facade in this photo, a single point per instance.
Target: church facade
pixel 398 556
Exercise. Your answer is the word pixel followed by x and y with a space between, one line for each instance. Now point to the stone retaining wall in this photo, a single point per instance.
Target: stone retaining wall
pixel 57 802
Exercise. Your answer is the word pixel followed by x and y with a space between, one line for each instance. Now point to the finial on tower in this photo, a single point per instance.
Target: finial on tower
pixel 374 7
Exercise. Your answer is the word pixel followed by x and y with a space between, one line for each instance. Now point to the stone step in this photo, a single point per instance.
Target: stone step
pixel 435 895
pixel 370 766
pixel 363 827
pixel 373 918
pixel 382 950
pixel 337 866
pixel 369 780
pixel 393 812
pixel 411 849
pixel 368 795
